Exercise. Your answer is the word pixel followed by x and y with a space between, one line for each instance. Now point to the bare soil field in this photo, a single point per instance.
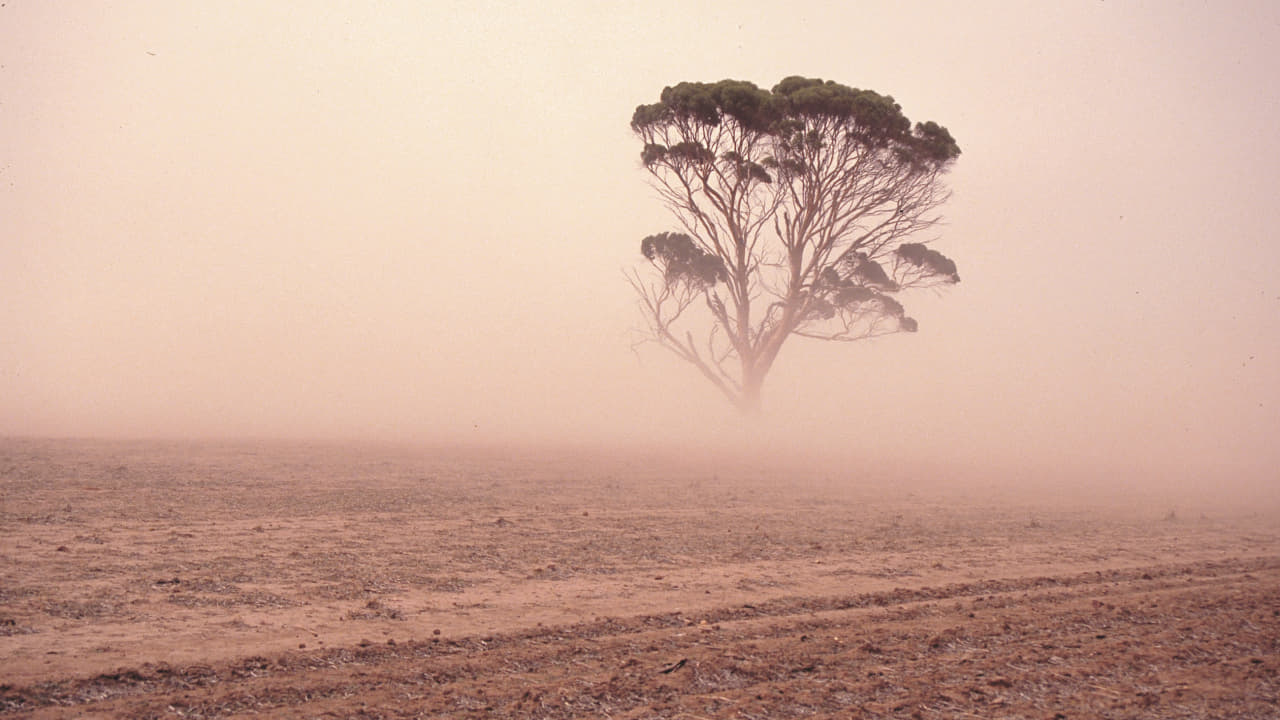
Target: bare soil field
pixel 200 580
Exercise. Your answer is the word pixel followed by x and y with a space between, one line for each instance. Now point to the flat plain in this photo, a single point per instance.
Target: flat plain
pixel 219 579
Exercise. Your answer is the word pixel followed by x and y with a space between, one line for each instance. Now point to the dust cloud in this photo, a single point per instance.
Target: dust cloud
pixel 407 223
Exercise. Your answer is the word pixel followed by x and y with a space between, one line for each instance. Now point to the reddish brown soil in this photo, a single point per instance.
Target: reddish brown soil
pixel 202 580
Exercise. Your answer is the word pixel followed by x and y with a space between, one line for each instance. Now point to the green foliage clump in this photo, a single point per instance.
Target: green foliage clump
pixel 682 260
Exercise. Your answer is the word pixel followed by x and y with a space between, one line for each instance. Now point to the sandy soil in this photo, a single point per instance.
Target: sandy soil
pixel 212 580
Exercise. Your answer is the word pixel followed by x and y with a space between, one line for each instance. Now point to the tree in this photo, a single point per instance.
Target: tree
pixel 795 206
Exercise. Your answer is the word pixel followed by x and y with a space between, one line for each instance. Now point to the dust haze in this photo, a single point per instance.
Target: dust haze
pixel 407 223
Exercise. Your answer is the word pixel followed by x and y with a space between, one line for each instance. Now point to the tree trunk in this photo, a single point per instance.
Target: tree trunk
pixel 749 398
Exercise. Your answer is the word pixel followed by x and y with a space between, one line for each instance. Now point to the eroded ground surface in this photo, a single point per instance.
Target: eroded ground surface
pixel 185 580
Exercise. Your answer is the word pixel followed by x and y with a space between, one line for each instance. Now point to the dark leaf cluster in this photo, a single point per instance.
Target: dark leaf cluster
pixel 709 104
pixel 933 143
pixel 862 269
pixel 875 118
pixel 684 153
pixel 788 112
pixel 863 290
pixel 682 260
pixel 929 260
pixel 748 170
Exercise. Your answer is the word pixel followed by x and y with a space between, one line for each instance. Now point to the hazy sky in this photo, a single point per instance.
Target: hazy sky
pixel 412 219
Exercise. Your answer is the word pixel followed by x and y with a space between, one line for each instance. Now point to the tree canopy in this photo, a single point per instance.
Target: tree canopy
pixel 801 211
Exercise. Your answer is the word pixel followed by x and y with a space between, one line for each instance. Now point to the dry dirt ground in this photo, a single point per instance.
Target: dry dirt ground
pixel 184 580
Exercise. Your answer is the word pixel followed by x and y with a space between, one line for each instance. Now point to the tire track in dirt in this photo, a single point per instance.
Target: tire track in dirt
pixel 1170 640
